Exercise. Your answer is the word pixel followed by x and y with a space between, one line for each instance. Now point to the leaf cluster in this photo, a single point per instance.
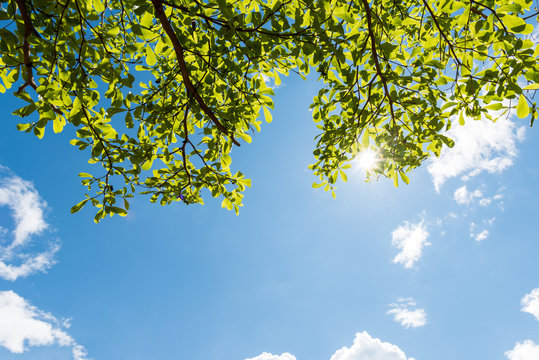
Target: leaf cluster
pixel 160 92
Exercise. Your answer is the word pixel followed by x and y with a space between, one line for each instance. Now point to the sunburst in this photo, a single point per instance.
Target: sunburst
pixel 367 159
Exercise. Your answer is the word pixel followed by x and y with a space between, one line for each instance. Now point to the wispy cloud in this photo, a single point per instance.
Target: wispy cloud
pixel 410 239
pixel 479 146
pixel 526 350
pixel 23 325
pixel 405 313
pixel 366 347
pixel 27 209
pixel 530 303
pixel 485 201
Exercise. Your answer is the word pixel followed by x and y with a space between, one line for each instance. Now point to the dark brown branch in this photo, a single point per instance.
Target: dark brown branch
pixel 442 33
pixel 492 11
pixel 28 30
pixel 185 140
pixel 178 49
pixel 375 58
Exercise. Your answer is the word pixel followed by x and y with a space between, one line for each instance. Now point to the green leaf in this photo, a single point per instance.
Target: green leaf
pixel 147 19
pixel 461 118
pixel 118 210
pixel 514 23
pixel 514 8
pixel 98 6
pixel 404 177
pixel 77 106
pixel 147 165
pixel 23 127
pixel 343 176
pixel 226 160
pixel 151 60
pixel 531 87
pixel 79 206
pixel 99 215
pixel 267 115
pixel 495 106
pixel 464 17
pixel 523 109
pixel 39 132
pixel 58 124
pixel 345 15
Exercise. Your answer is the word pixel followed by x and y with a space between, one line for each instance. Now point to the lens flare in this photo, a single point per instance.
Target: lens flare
pixel 367 159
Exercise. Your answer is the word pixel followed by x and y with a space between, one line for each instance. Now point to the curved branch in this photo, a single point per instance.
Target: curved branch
pixel 28 30
pixel 178 49
pixel 375 58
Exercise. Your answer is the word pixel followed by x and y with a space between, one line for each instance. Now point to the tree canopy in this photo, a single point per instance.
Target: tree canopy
pixel 160 92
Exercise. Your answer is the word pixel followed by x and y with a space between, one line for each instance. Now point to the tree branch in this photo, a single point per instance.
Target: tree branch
pixel 28 30
pixel 178 49
pixel 442 33
pixel 375 58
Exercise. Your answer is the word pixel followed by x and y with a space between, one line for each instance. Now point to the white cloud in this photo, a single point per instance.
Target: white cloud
pixel 268 356
pixel 530 303
pixel 366 347
pixel 410 239
pixel 29 264
pixel 23 325
pixel 526 350
pixel 481 236
pixel 463 196
pixel 479 146
pixel 485 201
pixel 26 206
pixel 405 313
pixel 27 211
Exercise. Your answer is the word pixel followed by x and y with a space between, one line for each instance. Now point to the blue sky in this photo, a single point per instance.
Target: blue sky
pixel 444 268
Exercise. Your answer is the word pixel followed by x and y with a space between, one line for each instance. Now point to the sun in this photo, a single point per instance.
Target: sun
pixel 367 159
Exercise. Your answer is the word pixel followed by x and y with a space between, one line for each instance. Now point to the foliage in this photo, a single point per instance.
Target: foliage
pixel 160 92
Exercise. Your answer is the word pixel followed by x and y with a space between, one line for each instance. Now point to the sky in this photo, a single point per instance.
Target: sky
pixel 444 268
